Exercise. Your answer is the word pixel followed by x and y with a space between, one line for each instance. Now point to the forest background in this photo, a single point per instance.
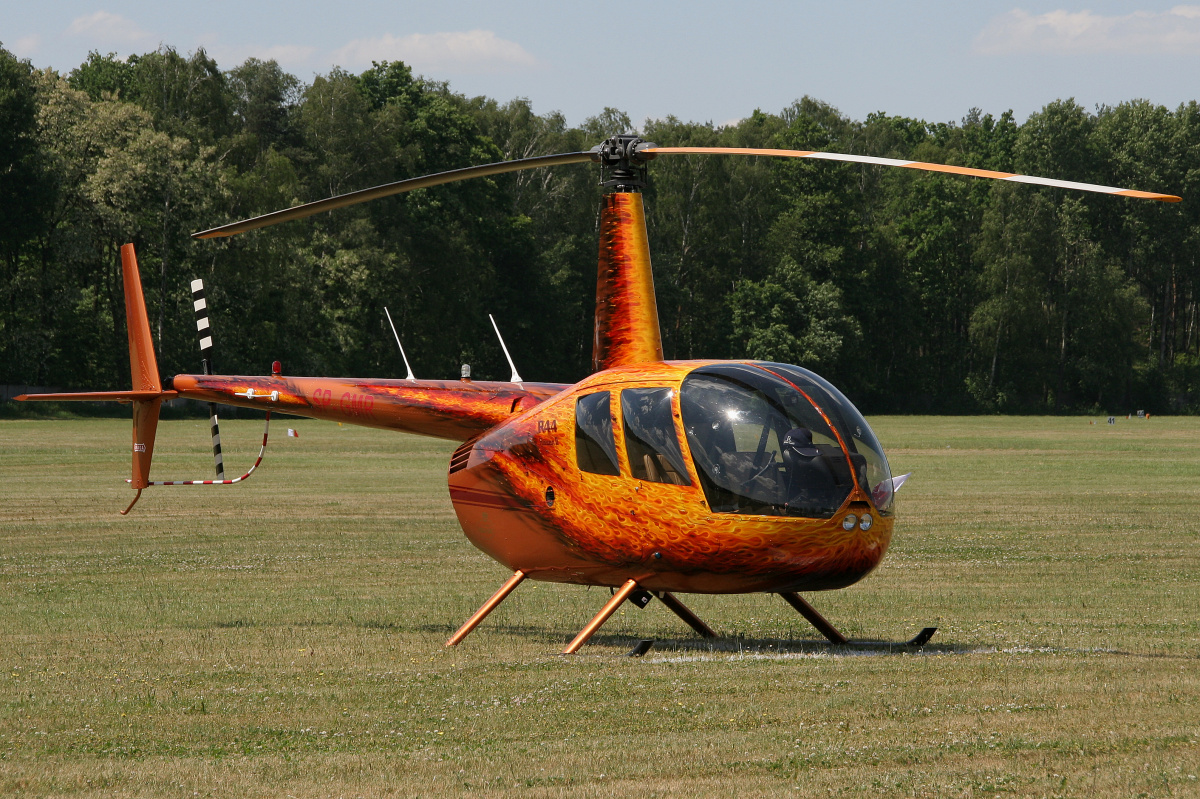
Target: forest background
pixel 916 293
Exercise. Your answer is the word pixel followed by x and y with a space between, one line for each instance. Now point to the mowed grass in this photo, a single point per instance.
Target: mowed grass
pixel 284 637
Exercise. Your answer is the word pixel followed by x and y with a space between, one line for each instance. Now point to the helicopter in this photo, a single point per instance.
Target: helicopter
pixel 650 477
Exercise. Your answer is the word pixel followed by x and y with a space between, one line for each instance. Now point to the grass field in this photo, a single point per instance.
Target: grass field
pixel 284 637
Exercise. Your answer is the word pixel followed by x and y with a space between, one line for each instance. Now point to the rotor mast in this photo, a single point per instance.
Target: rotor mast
pixel 626 329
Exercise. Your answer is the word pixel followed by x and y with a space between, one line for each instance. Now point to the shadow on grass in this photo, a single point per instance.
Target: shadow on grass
pixel 755 647
pixel 621 644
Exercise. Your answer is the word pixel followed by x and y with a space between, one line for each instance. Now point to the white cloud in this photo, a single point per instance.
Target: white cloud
pixel 283 53
pixel 26 46
pixel 1175 32
pixel 455 52
pixel 290 56
pixel 106 29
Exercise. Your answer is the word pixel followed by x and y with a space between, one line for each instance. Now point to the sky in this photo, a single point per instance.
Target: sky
pixel 701 61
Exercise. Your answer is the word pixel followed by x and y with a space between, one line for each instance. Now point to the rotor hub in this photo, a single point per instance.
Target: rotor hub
pixel 623 161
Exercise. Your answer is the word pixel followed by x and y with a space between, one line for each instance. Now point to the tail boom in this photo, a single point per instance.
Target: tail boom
pixel 450 409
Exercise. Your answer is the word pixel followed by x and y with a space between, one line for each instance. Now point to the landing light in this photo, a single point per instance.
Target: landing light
pixel 849 522
pixel 866 522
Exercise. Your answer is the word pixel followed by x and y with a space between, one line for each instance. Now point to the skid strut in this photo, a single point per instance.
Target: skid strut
pixel 609 609
pixel 487 607
pixel 681 610
pixel 815 619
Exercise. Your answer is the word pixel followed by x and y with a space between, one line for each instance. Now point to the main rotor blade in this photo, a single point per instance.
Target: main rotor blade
pixel 388 189
pixel 953 170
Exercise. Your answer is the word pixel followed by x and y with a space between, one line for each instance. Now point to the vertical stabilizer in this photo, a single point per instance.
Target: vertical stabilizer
pixel 143 366
pixel 627 329
pixel 142 363
pixel 147 393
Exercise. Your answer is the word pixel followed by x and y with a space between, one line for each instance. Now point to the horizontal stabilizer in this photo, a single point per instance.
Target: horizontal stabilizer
pixel 99 396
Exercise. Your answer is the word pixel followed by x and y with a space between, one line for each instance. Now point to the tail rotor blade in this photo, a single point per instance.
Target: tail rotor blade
pixel 203 330
pixel 204 333
pixel 215 430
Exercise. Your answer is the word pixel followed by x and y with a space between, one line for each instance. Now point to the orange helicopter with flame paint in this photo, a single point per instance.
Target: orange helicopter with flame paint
pixel 650 477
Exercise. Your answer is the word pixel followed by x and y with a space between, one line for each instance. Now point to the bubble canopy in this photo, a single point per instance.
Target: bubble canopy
pixel 778 440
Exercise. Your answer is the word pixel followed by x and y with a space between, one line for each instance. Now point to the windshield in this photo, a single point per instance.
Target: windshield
pixel 853 427
pixel 760 447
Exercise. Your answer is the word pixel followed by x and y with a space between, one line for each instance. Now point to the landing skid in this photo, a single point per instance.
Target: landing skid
pixel 922 637
pixel 632 593
pixel 829 631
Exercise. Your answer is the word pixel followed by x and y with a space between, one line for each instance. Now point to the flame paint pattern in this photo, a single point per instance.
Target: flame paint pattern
pixel 604 530
pixel 598 529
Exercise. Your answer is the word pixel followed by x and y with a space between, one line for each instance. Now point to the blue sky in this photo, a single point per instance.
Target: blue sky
pixel 700 61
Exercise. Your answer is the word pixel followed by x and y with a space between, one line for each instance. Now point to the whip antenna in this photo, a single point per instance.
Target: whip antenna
pixel 516 378
pixel 398 344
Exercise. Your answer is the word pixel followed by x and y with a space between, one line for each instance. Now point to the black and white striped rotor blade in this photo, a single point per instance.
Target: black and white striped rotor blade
pixel 204 334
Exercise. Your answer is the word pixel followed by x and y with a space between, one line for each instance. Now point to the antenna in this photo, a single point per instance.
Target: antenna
pixel 516 378
pixel 398 344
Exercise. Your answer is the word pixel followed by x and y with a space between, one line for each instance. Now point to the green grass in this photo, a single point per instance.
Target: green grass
pixel 284 637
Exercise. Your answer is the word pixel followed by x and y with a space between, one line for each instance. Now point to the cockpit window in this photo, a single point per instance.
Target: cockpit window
pixel 875 475
pixel 760 446
pixel 595 447
pixel 650 438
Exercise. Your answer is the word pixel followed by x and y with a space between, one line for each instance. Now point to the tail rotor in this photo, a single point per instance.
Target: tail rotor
pixel 147 393
pixel 204 334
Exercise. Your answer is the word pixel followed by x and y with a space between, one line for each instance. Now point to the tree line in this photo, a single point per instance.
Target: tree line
pixel 913 292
